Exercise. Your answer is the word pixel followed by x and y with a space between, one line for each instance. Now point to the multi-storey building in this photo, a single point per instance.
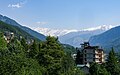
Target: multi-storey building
pixel 92 53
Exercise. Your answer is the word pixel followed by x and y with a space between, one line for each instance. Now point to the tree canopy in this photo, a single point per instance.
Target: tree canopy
pixel 38 58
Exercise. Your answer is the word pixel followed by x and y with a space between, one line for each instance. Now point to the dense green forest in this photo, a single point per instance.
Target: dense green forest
pixel 38 58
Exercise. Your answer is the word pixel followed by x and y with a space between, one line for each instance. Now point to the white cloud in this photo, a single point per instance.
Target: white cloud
pixel 41 23
pixel 17 5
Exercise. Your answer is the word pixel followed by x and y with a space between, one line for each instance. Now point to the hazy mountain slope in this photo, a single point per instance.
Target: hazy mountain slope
pixel 34 33
pixel 26 29
pixel 8 20
pixel 76 38
pixel 68 48
pixel 108 39
pixel 73 37
pixel 16 30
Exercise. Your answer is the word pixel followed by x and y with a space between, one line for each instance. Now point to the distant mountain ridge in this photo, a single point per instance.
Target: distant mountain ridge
pixel 26 29
pixel 61 32
pixel 53 32
pixel 106 36
pixel 74 37
pixel 108 39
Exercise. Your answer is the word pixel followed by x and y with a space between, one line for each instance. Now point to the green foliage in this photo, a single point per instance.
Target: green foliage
pixel 47 58
pixel 50 56
pixel 68 65
pixel 77 71
pixel 97 69
pixel 112 63
pixel 16 65
pixel 68 48
pixel 44 58
pixel 16 30
pixel 33 51
pixel 3 43
pixel 24 44
pixel 79 58
pixel 16 48
pixel 111 67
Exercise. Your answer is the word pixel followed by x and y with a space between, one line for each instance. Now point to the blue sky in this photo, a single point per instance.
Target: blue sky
pixel 62 14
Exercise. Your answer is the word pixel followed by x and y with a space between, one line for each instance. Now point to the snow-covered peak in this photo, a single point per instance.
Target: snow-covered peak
pixel 61 32
pixel 102 27
pixel 53 32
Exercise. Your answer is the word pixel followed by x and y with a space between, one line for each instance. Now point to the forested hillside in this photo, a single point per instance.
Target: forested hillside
pixel 43 58
pixel 16 30
pixel 31 32
pixel 108 39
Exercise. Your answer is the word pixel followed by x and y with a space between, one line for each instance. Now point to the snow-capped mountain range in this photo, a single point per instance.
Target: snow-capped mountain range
pixel 53 32
pixel 102 27
pixel 74 37
pixel 61 32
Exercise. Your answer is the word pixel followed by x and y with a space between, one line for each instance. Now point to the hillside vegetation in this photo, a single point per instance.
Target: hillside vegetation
pixel 43 58
pixel 16 30
pixel 12 22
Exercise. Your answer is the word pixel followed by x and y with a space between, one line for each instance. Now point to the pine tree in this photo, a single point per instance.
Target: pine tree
pixel 79 59
pixel 98 69
pixel 50 56
pixel 3 43
pixel 33 51
pixel 112 63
